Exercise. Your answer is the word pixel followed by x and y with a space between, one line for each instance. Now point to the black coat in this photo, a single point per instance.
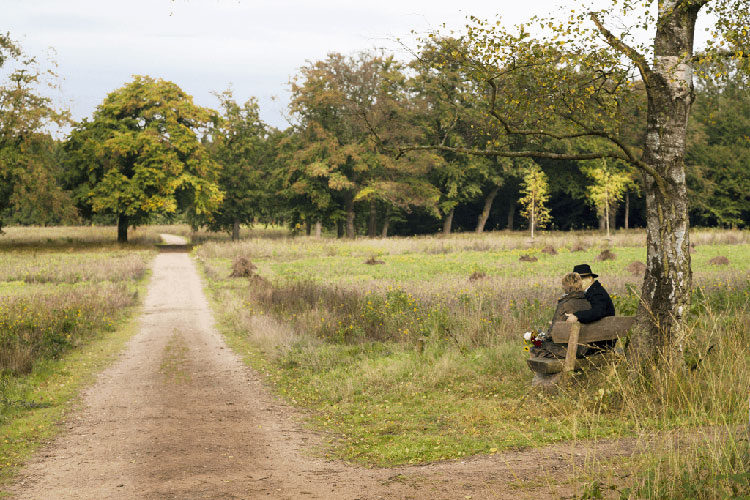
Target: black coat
pixel 601 304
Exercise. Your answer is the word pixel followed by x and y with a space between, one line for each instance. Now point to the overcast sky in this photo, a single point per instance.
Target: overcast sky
pixel 206 45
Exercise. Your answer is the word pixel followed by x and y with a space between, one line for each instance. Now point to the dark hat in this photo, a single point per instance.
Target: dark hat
pixel 584 270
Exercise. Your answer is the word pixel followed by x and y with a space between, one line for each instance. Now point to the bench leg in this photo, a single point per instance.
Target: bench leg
pixel 570 357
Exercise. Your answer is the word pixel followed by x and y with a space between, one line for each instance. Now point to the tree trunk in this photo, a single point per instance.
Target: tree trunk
pixel 372 228
pixel 511 214
pixel 602 223
pixel 627 209
pixel 339 228
pixel 448 222
pixel 235 230
pixel 386 223
pixel 607 218
pixel 350 216
pixel 308 227
pixel 666 286
pixel 122 228
pixel 486 210
pixel 318 229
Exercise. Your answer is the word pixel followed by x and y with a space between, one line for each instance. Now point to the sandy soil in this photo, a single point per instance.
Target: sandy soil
pixel 179 416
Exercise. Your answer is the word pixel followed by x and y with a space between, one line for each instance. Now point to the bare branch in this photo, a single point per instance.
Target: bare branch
pixel 616 43
pixel 513 154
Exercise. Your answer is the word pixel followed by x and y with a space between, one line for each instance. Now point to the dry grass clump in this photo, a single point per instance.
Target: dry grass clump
pixel 719 260
pixel 636 268
pixel 549 250
pixel 527 258
pixel 242 267
pixel 372 261
pixel 477 275
pixel 606 254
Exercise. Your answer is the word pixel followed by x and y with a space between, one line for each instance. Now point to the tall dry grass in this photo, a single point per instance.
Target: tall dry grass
pixel 45 325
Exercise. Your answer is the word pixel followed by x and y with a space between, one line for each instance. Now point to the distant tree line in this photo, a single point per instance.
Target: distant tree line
pixel 148 151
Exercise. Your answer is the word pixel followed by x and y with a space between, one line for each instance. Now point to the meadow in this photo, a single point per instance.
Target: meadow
pixel 419 357
pixel 65 294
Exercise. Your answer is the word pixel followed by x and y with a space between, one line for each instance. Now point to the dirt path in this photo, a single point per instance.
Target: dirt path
pixel 179 416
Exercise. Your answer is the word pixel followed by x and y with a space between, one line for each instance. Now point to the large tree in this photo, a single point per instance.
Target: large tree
pixel 574 79
pixel 140 155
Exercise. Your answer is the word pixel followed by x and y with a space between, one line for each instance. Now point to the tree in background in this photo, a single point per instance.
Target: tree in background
pixel 242 146
pixel 719 150
pixel 347 108
pixel 607 189
pixel 140 155
pixel 30 191
pixel 535 189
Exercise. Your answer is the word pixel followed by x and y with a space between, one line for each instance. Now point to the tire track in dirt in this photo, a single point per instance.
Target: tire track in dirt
pixel 178 416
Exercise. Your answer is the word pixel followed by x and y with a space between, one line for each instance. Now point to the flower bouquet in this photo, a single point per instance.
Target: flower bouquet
pixel 533 337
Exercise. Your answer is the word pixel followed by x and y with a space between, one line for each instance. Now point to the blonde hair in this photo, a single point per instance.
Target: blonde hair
pixel 572 282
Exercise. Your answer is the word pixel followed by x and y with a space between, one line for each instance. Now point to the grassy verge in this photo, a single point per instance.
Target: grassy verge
pixel 414 366
pixel 63 315
pixel 35 403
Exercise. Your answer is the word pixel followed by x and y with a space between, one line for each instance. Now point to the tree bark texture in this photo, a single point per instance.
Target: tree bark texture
pixel 318 229
pixel 448 222
pixel 668 279
pixel 486 210
pixel 122 228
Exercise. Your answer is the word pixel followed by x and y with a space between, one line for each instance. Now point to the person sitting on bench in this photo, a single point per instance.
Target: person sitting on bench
pixel 572 301
pixel 601 305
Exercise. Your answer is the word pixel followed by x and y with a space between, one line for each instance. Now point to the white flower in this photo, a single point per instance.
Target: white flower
pixel 527 336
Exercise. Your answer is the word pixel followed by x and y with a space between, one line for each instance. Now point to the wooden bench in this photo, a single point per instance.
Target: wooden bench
pixel 575 334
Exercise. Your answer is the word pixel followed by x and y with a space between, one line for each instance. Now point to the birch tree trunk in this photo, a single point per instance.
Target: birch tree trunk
pixel 627 209
pixel 668 279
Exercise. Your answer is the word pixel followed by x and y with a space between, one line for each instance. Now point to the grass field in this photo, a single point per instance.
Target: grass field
pixel 65 296
pixel 412 361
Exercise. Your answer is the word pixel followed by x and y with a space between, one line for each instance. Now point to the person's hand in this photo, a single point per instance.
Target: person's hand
pixel 571 318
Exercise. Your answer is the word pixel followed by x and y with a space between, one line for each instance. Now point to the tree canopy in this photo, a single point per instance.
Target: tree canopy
pixel 141 154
